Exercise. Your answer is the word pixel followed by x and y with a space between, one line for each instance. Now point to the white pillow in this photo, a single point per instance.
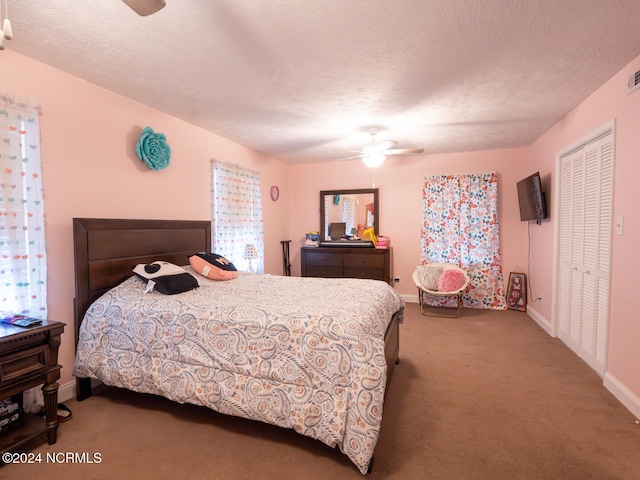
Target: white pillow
pixel 429 277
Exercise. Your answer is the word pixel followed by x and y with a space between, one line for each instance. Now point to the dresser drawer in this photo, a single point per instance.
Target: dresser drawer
pixel 348 262
pixel 25 363
pixel 364 261
pixel 325 271
pixel 371 273
pixel 324 259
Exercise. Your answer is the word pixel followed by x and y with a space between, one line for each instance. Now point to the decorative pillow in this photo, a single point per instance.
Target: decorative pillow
pixel 430 276
pixel 451 280
pixel 213 266
pixel 165 277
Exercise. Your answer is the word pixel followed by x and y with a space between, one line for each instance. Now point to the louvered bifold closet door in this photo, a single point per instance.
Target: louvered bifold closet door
pixel 571 217
pixel 564 267
pixel 586 202
pixel 588 269
pixel 605 213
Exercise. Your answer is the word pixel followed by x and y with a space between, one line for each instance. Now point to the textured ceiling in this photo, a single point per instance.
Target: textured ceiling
pixel 302 80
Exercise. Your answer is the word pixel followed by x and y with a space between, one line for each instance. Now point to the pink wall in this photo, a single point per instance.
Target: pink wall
pixel 610 102
pixel 400 182
pixel 90 169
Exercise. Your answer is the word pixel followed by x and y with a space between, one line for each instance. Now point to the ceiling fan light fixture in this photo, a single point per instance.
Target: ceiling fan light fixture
pixel 374 160
pixel 7 31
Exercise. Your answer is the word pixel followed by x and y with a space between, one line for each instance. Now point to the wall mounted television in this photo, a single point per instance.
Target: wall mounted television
pixel 531 199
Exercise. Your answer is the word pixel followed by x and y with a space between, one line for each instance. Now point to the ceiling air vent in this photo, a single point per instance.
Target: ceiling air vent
pixel 634 82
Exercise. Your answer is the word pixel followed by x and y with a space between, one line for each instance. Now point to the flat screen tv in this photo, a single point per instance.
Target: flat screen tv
pixel 531 199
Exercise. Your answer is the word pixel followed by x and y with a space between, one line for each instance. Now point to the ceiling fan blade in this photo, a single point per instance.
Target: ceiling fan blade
pixel 379 147
pixel 145 7
pixel 360 155
pixel 403 151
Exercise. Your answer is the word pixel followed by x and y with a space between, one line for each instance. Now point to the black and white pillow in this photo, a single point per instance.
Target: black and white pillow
pixel 165 277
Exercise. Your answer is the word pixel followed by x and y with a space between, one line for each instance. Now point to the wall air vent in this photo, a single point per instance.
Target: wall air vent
pixel 634 82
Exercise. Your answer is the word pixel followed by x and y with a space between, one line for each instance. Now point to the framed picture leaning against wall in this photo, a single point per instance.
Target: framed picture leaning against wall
pixel 517 292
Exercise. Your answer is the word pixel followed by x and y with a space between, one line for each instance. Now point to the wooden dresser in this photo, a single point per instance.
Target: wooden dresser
pixel 28 358
pixel 351 262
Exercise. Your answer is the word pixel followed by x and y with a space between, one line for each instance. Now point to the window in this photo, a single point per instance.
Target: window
pixel 23 262
pixel 349 214
pixel 236 213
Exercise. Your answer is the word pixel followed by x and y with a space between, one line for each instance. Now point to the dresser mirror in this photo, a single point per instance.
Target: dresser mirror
pixel 348 212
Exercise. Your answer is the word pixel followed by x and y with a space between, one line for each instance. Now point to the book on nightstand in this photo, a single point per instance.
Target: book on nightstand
pixel 19 320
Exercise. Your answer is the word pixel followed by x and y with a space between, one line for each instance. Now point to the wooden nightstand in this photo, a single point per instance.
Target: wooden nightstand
pixel 28 358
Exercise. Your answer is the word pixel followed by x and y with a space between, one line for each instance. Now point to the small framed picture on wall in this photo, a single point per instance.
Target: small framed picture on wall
pixel 517 292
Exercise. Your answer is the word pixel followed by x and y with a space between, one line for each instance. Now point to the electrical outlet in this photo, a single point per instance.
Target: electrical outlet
pixel 396 279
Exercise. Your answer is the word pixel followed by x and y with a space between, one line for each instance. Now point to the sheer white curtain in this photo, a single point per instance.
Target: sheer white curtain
pixel 236 213
pixel 23 261
pixel 349 213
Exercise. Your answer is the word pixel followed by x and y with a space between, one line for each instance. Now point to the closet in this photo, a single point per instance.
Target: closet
pixel 585 199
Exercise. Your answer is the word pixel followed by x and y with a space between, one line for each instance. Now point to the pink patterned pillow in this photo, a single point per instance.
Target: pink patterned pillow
pixel 451 280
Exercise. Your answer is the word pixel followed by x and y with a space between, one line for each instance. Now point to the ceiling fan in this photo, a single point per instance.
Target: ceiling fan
pixel 375 153
pixel 145 7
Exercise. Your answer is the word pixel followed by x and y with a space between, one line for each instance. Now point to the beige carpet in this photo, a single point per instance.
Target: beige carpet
pixel 487 396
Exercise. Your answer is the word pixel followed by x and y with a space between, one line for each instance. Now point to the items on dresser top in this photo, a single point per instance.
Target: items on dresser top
pixel 348 243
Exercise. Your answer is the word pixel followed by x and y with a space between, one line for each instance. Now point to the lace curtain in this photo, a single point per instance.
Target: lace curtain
pixel 23 261
pixel 236 213
pixel 460 226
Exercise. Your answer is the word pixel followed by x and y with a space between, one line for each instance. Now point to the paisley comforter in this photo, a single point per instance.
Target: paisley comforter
pixel 300 353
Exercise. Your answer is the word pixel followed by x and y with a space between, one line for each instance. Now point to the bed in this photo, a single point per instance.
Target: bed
pixel 311 354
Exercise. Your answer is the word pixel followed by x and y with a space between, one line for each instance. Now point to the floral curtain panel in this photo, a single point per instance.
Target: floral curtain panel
pixel 238 232
pixel 23 261
pixel 460 226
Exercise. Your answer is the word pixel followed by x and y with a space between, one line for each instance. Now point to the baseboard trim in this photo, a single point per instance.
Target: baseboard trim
pixel 623 394
pixel 410 298
pixel 67 391
pixel 540 320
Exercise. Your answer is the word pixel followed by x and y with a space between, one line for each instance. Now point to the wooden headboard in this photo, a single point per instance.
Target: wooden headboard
pixel 105 251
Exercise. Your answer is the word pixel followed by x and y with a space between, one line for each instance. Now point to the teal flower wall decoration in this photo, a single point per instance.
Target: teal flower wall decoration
pixel 152 149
